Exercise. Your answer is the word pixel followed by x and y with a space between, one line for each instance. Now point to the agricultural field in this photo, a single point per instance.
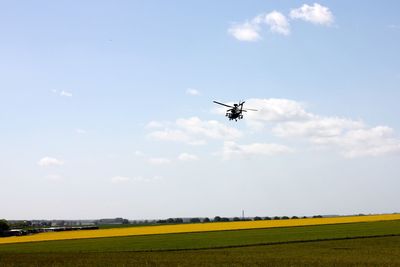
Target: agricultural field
pixel 383 251
pixel 196 227
pixel 351 244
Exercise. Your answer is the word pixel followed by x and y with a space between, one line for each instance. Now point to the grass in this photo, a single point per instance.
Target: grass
pixel 196 227
pixel 383 252
pixel 208 240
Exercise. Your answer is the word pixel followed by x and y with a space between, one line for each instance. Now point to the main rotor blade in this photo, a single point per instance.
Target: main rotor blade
pixel 222 104
pixel 250 109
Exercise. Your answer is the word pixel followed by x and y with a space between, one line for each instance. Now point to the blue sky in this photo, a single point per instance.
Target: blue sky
pixel 97 119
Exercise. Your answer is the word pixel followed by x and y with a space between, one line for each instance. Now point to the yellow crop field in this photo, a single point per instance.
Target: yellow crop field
pixel 197 227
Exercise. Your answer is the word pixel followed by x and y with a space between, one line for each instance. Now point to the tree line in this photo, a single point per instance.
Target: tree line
pixel 226 219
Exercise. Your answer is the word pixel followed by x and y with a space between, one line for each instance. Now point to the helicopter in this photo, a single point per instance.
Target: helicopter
pixel 235 111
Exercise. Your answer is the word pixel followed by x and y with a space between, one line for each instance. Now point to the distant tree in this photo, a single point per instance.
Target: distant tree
pixel 304 217
pixel 170 220
pixel 195 220
pixel 295 217
pixel 224 219
pixel 235 219
pixel 125 221
pixel 317 216
pixel 217 219
pixel 178 220
pixel 285 218
pixel 257 218
pixel 277 218
pixel 4 226
pixel 206 220
pixel 161 221
pixel 267 218
pixel 20 224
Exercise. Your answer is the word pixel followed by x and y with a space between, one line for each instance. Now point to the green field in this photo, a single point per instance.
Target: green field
pixel 382 252
pixel 355 244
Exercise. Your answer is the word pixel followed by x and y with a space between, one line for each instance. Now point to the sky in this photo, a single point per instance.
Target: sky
pixel 106 108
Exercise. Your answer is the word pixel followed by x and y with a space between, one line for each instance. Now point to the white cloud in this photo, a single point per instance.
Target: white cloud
pixel 376 141
pixel 192 92
pixel 379 140
pixel 352 138
pixel 277 23
pixel 80 131
pixel 65 93
pixel 49 161
pixel 275 110
pixel 317 127
pixel 316 14
pixel 187 157
pixel 210 129
pixel 138 153
pixel 248 31
pixel 232 149
pixel 62 93
pixel 319 130
pixel 175 136
pixel 159 161
pixel 194 131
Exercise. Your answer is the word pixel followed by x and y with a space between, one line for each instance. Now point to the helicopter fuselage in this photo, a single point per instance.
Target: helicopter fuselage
pixel 234 114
